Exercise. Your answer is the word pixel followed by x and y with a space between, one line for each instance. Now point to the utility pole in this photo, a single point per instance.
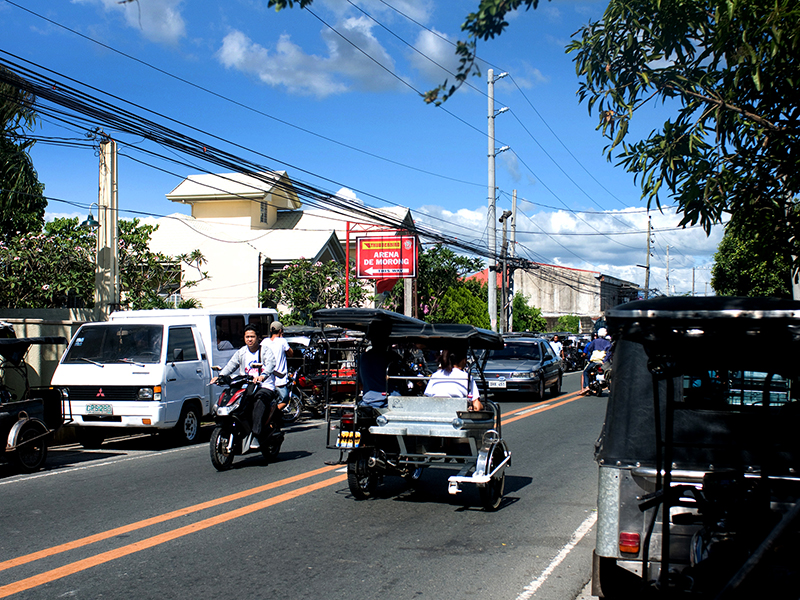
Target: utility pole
pixel 491 279
pixel 503 252
pixel 693 268
pixel 646 266
pixel 513 253
pixel 106 275
pixel 667 269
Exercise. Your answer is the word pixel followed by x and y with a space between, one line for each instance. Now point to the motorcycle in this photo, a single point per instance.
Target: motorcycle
pixel 305 394
pixel 599 378
pixel 574 359
pixel 233 415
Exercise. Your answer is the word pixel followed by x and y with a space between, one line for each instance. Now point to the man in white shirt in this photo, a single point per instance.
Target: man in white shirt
pixel 280 350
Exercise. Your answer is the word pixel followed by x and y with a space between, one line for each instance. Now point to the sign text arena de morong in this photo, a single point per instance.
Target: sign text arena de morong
pixel 383 257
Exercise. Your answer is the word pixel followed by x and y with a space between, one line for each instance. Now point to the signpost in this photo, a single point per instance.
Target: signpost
pixel 386 257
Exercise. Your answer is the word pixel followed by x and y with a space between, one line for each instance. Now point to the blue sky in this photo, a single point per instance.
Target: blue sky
pixel 295 91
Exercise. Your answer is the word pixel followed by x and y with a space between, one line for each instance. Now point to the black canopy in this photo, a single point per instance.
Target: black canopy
pixel 362 319
pixel 14 349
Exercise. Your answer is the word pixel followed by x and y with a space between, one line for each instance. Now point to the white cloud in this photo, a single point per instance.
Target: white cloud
pixel 436 59
pixel 289 66
pixel 158 20
pixel 349 195
pixel 611 242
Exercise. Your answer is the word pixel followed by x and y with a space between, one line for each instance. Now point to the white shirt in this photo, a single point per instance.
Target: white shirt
pixel 557 347
pixel 451 384
pixel 279 346
pixel 255 357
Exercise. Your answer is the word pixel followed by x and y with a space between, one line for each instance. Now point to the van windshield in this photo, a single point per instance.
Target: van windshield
pixel 113 343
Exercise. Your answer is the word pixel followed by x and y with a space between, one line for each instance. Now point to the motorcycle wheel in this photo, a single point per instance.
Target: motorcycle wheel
pixel 291 412
pixel 30 457
pixel 361 480
pixel 492 493
pixel 220 457
pixel 272 448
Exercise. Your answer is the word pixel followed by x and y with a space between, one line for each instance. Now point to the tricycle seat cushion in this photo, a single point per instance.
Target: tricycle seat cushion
pixel 424 416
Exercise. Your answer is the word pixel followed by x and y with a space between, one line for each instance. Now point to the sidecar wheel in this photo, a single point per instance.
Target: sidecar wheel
pixel 361 480
pixel 492 493
pixel 30 457
pixel 220 457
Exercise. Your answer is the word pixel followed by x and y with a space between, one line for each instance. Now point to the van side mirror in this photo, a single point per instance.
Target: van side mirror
pixel 177 354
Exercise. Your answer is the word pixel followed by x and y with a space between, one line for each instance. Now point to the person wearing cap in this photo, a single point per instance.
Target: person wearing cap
pixel 280 350
pixel 601 344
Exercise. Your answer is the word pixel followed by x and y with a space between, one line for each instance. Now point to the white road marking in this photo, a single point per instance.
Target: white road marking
pixel 530 589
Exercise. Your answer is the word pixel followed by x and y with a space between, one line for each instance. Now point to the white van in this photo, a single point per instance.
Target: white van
pixel 149 369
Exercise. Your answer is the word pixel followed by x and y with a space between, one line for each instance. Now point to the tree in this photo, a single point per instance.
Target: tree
pixel 54 268
pixel 526 318
pixel 22 204
pixel 748 265
pixel 304 287
pixel 438 270
pixel 571 323
pixel 460 305
pixel 148 278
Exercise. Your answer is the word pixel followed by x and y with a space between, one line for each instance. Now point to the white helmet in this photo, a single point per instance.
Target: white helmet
pixel 602 332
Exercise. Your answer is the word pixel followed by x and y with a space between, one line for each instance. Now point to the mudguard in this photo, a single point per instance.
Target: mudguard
pixel 13 434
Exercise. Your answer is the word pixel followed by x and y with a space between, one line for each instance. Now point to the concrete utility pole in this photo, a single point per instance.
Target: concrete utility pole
pixel 647 263
pixel 106 275
pixel 511 271
pixel 503 253
pixel 491 279
pixel 667 269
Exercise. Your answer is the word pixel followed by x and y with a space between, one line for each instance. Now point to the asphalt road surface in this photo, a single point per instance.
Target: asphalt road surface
pixel 140 519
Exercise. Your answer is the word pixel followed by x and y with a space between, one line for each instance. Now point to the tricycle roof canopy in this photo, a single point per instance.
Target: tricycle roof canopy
pixel 362 319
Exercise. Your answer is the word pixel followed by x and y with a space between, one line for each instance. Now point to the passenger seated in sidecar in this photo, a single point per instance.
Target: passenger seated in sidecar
pixel 452 380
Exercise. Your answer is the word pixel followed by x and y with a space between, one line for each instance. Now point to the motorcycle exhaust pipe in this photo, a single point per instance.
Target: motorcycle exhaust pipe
pixel 374 461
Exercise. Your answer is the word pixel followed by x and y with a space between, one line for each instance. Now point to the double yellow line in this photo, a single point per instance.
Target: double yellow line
pixel 104 557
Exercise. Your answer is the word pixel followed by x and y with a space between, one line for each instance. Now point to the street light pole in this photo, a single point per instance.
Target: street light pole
pixel 491 279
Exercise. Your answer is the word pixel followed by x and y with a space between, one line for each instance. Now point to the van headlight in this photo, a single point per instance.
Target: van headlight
pixel 149 393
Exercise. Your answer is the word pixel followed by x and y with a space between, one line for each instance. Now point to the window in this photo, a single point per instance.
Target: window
pixel 729 389
pixel 181 338
pixel 262 324
pixel 264 215
pixel 230 328
pixel 111 343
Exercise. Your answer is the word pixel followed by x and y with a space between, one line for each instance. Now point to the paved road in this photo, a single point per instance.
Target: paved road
pixel 136 519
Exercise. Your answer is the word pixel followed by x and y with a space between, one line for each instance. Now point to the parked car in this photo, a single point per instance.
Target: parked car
pixel 525 365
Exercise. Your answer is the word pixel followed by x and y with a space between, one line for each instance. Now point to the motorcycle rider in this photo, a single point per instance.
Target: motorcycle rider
pixel 249 354
pixel 280 350
pixel 599 345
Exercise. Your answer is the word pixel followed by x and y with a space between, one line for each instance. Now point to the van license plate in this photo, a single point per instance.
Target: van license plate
pixel 99 409
pixel 497 384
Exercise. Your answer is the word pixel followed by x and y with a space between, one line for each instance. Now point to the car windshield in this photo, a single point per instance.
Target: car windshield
pixel 516 352
pixel 114 343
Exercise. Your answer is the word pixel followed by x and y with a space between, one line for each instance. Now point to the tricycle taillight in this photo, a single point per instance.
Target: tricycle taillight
pixel 629 542
pixel 348 418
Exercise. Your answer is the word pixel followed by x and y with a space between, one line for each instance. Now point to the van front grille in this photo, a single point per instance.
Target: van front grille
pixel 103 393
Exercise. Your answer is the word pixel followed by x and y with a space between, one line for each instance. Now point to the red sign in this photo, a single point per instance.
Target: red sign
pixel 385 257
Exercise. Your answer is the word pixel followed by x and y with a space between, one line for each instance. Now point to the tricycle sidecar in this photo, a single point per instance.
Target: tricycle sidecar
pixel 699 457
pixel 413 432
pixel 27 423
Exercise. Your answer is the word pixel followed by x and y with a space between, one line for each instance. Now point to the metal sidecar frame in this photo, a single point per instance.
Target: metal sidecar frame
pixel 416 432
pixel 29 423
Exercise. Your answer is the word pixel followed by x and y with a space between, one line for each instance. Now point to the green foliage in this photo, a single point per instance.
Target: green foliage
pixel 526 318
pixel 730 70
pixel 22 204
pixel 460 305
pixel 747 264
pixel 305 287
pixel 569 323
pixel 438 270
pixel 55 268
pixel 146 277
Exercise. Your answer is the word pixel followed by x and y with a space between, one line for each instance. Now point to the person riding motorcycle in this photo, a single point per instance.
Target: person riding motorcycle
pixel 243 360
pixel 598 350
